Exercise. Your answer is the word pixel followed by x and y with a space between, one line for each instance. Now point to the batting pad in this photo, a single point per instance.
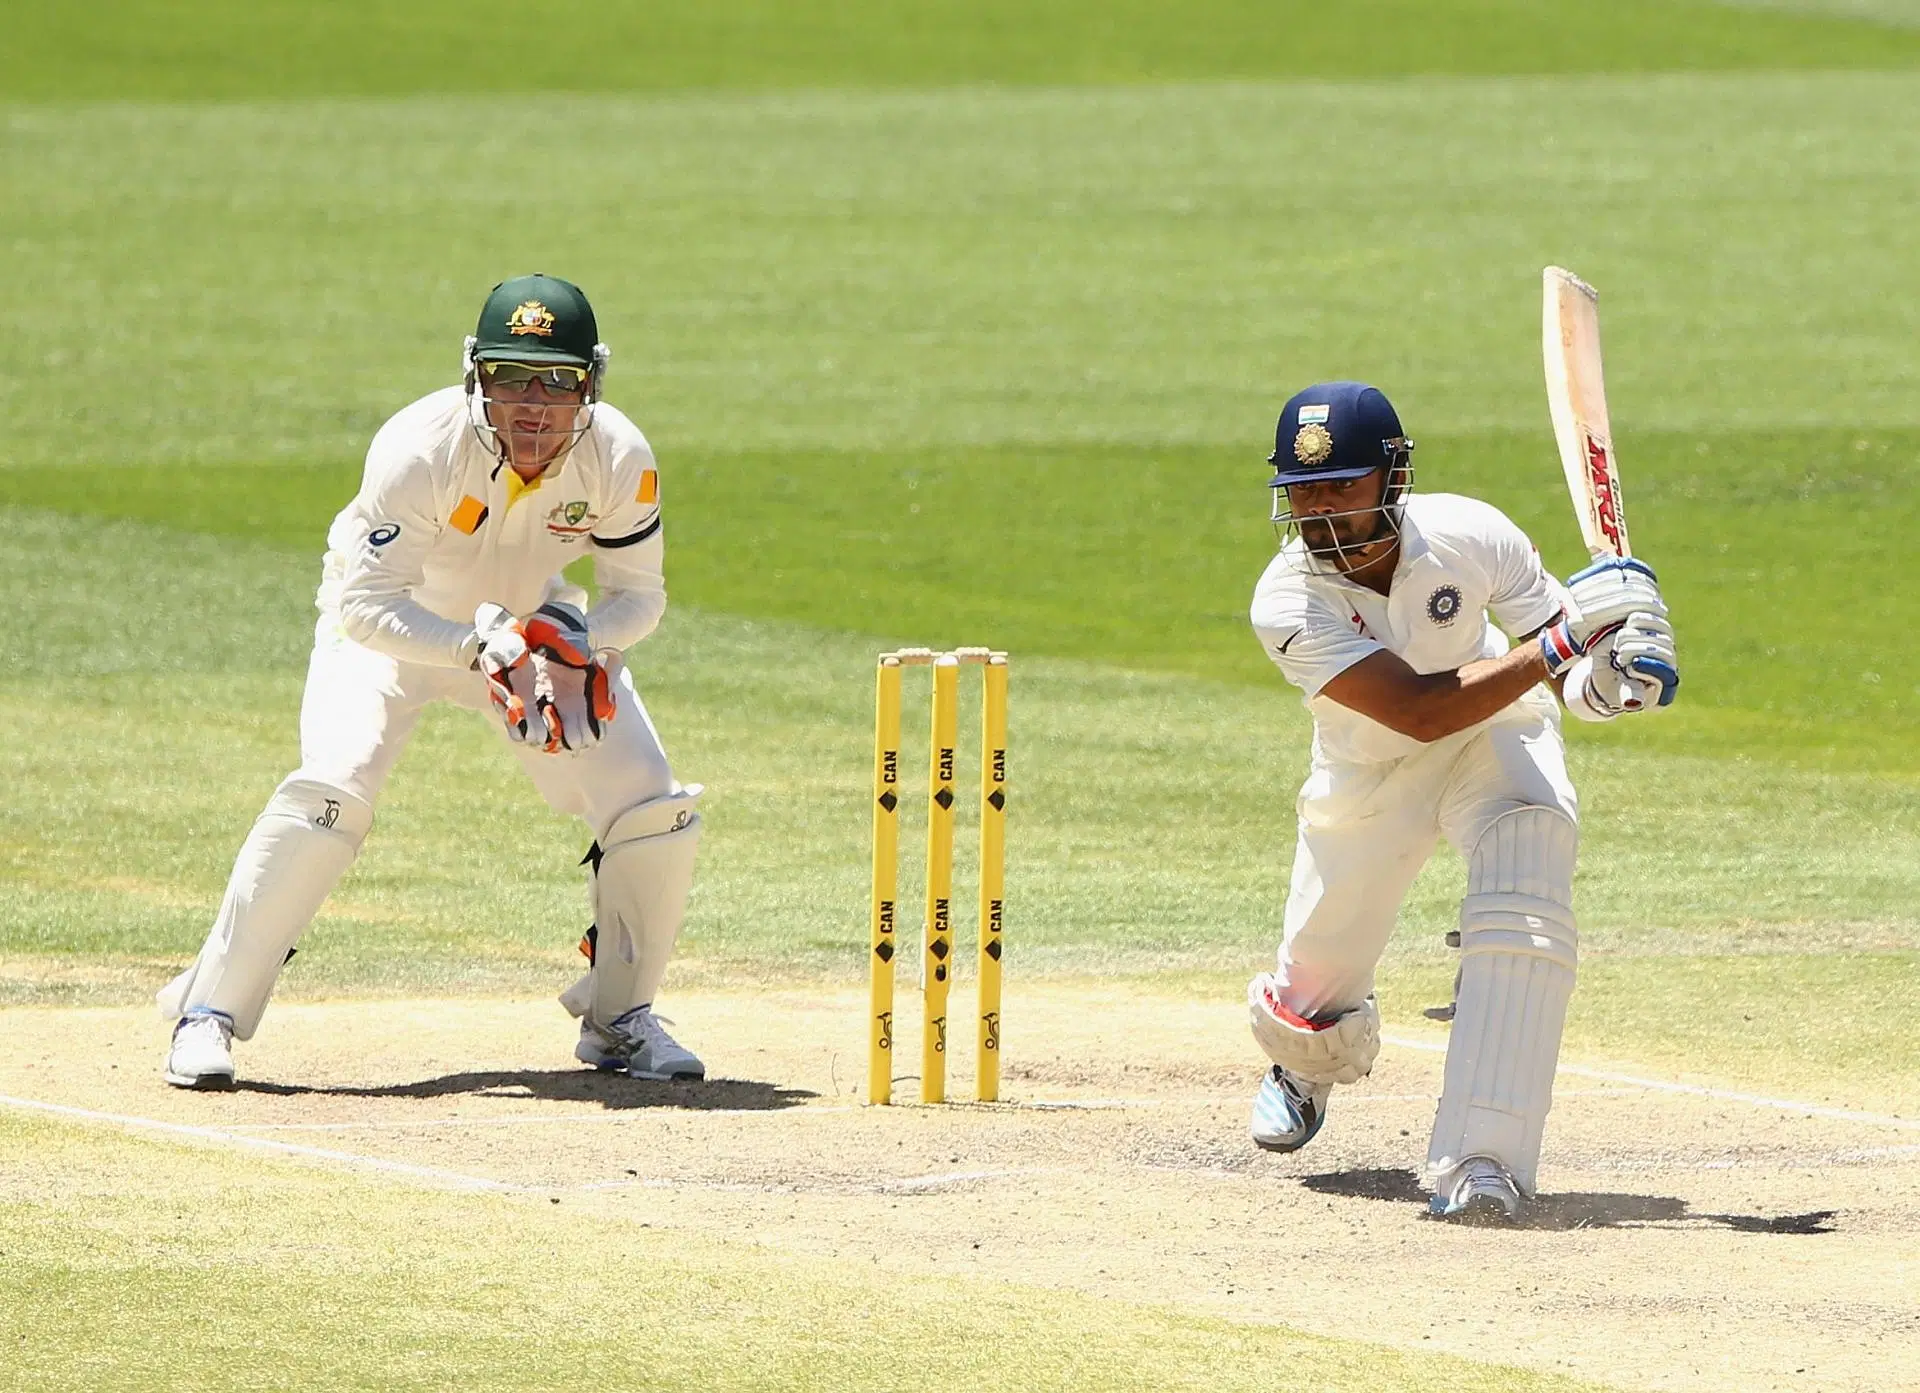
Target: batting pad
pixel 639 899
pixel 1518 949
pixel 1341 1050
pixel 299 847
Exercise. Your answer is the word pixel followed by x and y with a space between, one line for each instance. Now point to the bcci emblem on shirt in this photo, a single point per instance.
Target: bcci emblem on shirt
pixel 1443 605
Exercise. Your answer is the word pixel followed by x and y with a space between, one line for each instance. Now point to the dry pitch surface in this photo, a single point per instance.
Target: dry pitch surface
pixel 1684 1239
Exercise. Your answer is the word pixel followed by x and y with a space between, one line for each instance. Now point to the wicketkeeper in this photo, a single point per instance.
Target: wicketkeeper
pixel 1428 724
pixel 442 582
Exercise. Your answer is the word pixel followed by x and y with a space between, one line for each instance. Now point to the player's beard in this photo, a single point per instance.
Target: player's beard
pixel 1323 539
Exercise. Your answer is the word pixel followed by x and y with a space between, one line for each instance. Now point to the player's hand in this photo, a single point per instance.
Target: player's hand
pixel 573 684
pixel 1642 656
pixel 1604 595
pixel 506 663
pixel 1606 592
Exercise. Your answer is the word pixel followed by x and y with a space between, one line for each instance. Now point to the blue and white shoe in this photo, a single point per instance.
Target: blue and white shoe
pixel 638 1045
pixel 201 1055
pixel 1287 1111
pixel 1477 1191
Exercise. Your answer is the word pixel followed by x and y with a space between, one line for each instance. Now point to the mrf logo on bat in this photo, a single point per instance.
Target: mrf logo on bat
pixel 1606 500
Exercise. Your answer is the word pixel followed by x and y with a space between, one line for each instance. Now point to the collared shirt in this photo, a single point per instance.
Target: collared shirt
pixel 441 526
pixel 1463 568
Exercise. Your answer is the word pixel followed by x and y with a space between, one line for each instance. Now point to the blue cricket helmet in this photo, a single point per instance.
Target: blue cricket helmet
pixel 1335 430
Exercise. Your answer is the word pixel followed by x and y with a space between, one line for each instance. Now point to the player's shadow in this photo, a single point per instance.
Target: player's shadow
pixel 615 1092
pixel 1570 1211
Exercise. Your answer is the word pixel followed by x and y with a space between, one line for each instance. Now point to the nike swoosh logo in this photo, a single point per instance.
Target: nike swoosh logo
pixel 1289 643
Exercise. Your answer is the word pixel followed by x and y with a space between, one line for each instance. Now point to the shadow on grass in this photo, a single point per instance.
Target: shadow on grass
pixel 1557 1213
pixel 610 1090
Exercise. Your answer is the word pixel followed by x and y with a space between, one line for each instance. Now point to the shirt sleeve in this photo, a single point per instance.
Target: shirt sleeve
pixel 629 552
pixel 1307 639
pixel 395 521
pixel 1521 595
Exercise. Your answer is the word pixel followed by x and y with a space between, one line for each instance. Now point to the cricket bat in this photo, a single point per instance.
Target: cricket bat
pixel 1577 399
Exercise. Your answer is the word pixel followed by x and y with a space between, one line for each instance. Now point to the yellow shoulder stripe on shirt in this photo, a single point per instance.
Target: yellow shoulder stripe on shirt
pixel 469 515
pixel 649 487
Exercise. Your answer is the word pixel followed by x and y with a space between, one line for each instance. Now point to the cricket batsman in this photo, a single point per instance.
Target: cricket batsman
pixel 442 582
pixel 1387 610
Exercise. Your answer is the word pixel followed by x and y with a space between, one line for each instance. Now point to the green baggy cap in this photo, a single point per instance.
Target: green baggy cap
pixel 536 319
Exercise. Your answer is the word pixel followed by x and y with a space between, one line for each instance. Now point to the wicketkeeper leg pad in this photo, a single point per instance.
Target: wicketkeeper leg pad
pixel 299 847
pixel 640 886
pixel 1339 1049
pixel 1518 949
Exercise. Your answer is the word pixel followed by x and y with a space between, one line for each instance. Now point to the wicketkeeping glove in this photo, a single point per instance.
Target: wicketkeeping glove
pixel 572 684
pixel 506 663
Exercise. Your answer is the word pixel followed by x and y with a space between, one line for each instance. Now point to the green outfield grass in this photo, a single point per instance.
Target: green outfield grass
pixel 225 49
pixel 1057 325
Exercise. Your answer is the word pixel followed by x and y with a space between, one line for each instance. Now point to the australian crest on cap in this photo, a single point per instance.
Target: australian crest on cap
pixel 531 317
pixel 1313 444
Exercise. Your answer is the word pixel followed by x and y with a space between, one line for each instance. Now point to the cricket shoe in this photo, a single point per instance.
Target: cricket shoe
pixel 202 1052
pixel 1287 1112
pixel 637 1043
pixel 1477 1191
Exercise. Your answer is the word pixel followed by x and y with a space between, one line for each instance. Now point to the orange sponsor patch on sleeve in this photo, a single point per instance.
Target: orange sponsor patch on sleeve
pixel 469 515
pixel 649 487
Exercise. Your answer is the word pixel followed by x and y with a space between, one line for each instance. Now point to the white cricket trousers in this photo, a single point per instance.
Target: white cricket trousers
pixel 359 709
pixel 361 706
pixel 1366 830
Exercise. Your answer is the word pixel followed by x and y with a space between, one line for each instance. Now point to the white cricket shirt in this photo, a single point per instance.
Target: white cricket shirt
pixel 440 526
pixel 1464 567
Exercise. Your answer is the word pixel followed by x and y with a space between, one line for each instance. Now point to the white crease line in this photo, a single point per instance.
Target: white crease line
pixel 1772 1163
pixel 644 1114
pixel 417 1124
pixel 348 1158
pixel 1694 1090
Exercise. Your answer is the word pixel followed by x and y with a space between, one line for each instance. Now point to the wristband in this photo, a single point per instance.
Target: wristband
pixel 1559 647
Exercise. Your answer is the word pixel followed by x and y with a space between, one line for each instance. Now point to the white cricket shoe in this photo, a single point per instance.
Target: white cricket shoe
pixel 202 1053
pixel 1477 1191
pixel 639 1044
pixel 1287 1111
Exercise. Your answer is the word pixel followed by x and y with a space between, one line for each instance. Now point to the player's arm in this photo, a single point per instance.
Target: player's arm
pixel 399 518
pixel 1429 706
pixel 629 556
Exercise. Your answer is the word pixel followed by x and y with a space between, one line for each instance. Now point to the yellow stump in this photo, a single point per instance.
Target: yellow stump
pixel 886 870
pixel 936 968
pixel 993 868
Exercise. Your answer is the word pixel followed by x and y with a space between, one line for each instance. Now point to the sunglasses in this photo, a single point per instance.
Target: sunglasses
pixel 555 377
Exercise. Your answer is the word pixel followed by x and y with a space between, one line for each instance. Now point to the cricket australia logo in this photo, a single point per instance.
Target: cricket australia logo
pixel 1443 605
pixel 531 317
pixel 569 521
